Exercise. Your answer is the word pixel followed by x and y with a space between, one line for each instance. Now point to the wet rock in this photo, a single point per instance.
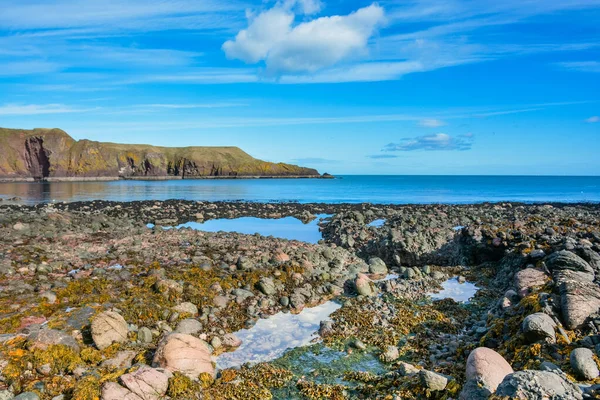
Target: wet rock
pixel 6 395
pixel 377 266
pixel 406 369
pixel 583 364
pixel 220 301
pixel 539 326
pixel 230 340
pixel 538 385
pixel 184 353
pixel 108 328
pixel 565 260
pixel 391 354
pixel 473 391
pixel 147 383
pixel 27 396
pixel 244 264
pixel 189 326
pixel 114 391
pixel 122 360
pixel 186 308
pixel 363 285
pixel 325 328
pixel 487 367
pixel 47 337
pixel 433 381
pixel 579 300
pixel 529 278
pixel 216 343
pixel 168 287
pixel 144 335
pixel 81 318
pixel 266 286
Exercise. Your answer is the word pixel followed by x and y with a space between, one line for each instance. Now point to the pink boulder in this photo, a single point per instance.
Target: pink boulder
pixel 487 367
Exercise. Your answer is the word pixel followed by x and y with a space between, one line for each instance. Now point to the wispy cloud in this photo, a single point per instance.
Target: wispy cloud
pixel 431 123
pixel 382 156
pixel 38 109
pixel 593 120
pixel 437 142
pixel 582 66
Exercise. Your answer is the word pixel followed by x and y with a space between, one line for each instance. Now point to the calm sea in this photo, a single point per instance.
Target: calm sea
pixel 344 189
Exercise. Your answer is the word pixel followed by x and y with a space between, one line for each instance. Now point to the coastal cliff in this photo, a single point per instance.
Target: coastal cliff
pixel 51 154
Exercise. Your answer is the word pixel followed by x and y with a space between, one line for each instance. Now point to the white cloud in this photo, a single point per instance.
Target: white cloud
pixel 307 47
pixel 593 120
pixel 431 123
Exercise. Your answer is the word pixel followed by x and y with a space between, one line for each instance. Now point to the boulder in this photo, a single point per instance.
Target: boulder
pixel 108 328
pixel 184 353
pixel 230 340
pixel 266 286
pixel 583 364
pixel 472 391
pixel 47 337
pixel 538 385
pixel 539 326
pixel 377 266
pixel 579 299
pixel 529 278
pixel 121 360
pixel 565 260
pixel 148 383
pixel 114 391
pixel 189 326
pixel 186 308
pixel 433 381
pixel 487 367
pixel 363 285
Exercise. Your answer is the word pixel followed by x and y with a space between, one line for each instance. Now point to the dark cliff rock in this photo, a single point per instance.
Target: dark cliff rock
pixel 52 153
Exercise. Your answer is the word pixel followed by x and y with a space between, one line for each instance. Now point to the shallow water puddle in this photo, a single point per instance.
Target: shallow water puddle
pixel 320 364
pixel 270 338
pixel 378 223
pixel 459 292
pixel 285 228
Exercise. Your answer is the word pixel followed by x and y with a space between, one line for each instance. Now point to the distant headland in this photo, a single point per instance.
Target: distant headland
pixel 53 155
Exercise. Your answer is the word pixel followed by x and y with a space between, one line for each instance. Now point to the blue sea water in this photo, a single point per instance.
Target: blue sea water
pixel 344 189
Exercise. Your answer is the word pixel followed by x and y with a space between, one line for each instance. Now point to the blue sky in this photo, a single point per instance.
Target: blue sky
pixel 347 87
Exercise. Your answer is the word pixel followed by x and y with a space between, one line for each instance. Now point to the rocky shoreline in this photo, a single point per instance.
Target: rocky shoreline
pixel 95 305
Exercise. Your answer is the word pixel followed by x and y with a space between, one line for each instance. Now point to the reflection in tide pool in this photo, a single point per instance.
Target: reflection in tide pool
pixel 285 228
pixel 270 338
pixel 452 289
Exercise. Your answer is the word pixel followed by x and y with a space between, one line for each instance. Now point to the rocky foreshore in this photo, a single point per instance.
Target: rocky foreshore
pixel 96 305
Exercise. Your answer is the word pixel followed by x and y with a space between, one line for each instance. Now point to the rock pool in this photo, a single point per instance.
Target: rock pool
pixel 271 337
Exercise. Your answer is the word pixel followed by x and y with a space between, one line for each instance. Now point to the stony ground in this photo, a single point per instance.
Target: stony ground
pixel 94 305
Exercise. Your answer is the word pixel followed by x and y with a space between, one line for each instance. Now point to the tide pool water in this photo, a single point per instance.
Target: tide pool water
pixel 344 189
pixel 459 292
pixel 271 337
pixel 284 228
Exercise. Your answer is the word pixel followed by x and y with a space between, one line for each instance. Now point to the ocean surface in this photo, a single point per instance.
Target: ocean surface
pixel 343 189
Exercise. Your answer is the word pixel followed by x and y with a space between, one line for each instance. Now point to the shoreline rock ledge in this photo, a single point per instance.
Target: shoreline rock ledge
pixel 53 155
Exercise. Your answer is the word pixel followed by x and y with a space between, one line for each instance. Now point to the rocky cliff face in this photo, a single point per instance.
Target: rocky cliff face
pixel 52 153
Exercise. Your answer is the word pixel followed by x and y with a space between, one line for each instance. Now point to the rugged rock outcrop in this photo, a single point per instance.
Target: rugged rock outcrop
pixel 52 153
